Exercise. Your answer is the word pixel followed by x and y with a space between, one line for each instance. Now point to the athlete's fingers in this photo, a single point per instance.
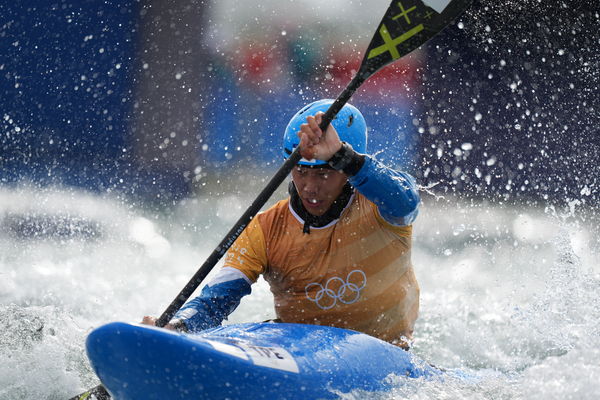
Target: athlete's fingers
pixel 313 124
pixel 305 134
pixel 306 147
pixel 331 135
pixel 319 117
pixel 305 139
pixel 318 120
pixel 311 136
pixel 149 320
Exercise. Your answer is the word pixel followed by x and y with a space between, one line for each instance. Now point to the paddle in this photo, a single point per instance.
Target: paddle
pixel 406 25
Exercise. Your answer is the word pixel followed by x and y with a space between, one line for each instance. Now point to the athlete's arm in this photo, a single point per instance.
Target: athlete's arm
pixel 395 193
pixel 219 298
pixel 244 262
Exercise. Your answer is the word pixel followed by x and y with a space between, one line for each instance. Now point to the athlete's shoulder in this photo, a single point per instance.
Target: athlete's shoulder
pixel 277 209
pixel 361 200
pixel 371 209
pixel 274 215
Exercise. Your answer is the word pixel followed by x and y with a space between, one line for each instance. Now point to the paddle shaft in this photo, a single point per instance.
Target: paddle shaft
pixel 254 208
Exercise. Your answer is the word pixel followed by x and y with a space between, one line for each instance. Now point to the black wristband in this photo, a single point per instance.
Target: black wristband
pixel 347 160
pixel 178 325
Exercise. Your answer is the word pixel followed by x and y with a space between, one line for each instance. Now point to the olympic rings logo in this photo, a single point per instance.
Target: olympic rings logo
pixel 336 289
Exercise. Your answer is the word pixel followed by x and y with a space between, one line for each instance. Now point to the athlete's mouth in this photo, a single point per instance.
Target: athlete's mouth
pixel 312 202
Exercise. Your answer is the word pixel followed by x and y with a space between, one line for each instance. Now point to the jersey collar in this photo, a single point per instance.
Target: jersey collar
pixel 330 217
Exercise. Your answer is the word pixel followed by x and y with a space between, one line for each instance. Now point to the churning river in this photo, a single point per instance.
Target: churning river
pixel 509 292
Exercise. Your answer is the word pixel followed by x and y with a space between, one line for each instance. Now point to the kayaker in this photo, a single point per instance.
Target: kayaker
pixel 337 251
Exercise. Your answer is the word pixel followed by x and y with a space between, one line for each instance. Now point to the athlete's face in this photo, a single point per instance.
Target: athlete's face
pixel 318 187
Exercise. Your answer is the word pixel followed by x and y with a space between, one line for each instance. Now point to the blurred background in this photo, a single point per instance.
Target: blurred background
pixel 156 100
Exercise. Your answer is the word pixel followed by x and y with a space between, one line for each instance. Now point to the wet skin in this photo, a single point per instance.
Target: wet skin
pixel 318 187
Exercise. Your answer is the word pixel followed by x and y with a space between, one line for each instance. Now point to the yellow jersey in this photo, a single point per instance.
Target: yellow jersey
pixel 354 273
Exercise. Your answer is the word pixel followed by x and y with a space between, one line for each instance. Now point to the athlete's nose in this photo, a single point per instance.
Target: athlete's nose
pixel 311 186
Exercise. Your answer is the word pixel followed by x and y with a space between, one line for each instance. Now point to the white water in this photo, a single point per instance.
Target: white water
pixel 509 292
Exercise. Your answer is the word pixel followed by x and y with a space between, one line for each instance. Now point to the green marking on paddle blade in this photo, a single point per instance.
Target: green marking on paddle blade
pixel 390 44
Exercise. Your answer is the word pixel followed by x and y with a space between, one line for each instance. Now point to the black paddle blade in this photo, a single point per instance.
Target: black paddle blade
pixel 406 25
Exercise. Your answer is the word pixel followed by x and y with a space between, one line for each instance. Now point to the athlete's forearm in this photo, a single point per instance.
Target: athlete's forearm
pixel 216 301
pixel 395 193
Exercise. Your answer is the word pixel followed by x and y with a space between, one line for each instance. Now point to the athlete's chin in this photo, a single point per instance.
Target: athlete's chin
pixel 316 214
pixel 317 208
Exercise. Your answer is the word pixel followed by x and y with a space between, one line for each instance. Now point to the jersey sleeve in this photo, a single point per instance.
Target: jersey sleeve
pixel 218 299
pixel 393 192
pixel 248 253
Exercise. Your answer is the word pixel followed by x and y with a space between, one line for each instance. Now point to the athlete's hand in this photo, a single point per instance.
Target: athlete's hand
pixel 152 321
pixel 315 145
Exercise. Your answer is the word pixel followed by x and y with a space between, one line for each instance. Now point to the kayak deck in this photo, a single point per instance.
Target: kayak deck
pixel 254 360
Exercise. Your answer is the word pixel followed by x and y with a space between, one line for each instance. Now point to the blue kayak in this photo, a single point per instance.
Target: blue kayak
pixel 247 361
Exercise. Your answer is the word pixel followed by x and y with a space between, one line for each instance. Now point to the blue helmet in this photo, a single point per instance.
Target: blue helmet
pixel 349 124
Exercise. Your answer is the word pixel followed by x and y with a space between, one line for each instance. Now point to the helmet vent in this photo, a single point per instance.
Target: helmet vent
pixel 350 120
pixel 304 109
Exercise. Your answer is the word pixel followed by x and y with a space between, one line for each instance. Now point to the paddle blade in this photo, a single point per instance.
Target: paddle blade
pixel 97 393
pixel 406 25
